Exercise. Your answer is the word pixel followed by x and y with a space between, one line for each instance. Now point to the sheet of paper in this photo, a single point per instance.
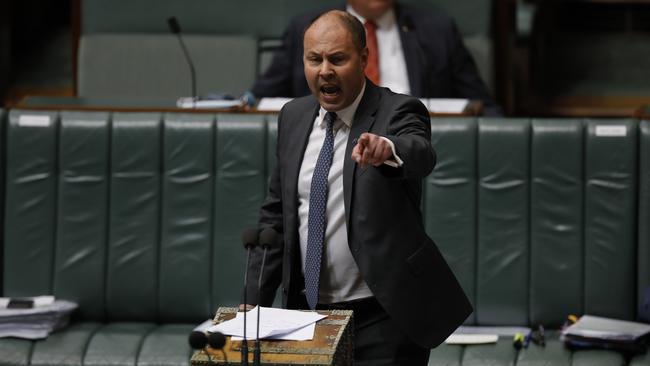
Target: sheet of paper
pixel 272 104
pixel 501 331
pixel 445 105
pixel 24 333
pixel 203 327
pixel 38 300
pixel 472 339
pixel 303 334
pixel 189 102
pixel 57 307
pixel 272 322
pixel 607 328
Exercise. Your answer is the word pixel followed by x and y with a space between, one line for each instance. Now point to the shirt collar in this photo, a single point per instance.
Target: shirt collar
pixel 385 21
pixel 346 115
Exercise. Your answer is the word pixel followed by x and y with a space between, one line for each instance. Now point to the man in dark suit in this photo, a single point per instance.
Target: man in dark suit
pixel 420 52
pixel 345 195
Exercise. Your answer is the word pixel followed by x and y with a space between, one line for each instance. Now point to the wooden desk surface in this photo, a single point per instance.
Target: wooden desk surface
pixel 332 345
pixel 474 108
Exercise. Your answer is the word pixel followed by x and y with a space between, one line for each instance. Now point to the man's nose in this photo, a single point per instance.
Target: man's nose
pixel 326 70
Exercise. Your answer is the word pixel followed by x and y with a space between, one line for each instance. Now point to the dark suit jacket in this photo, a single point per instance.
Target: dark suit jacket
pixel 399 262
pixel 438 64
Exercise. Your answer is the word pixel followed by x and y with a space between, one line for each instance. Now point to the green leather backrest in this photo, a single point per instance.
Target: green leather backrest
pixel 30 214
pixel 450 198
pixel 644 209
pixel 152 66
pixel 503 219
pixel 253 17
pixel 81 207
pixel 239 190
pixel 556 231
pixel 610 217
pixel 134 216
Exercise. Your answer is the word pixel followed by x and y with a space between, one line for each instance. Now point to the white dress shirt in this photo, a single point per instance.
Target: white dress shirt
pixel 392 64
pixel 340 279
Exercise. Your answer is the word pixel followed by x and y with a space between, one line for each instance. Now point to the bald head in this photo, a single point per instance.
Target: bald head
pixel 347 21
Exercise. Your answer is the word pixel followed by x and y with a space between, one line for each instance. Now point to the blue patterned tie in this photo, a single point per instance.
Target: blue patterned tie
pixel 317 214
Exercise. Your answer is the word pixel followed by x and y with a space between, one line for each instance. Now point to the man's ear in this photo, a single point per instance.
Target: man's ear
pixel 364 57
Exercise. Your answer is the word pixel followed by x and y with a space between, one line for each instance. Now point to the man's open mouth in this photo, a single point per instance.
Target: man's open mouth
pixel 330 90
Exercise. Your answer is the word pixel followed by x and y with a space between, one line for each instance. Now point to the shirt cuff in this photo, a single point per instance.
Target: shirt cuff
pixel 395 162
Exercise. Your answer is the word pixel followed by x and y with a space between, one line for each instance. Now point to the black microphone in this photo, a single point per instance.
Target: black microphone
pixel 267 240
pixel 199 340
pixel 176 29
pixel 249 239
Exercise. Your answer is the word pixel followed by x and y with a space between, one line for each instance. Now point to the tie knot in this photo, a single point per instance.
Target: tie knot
pixel 330 118
pixel 370 26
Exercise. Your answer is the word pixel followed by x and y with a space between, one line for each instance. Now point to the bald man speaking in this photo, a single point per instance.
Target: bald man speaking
pixel 345 195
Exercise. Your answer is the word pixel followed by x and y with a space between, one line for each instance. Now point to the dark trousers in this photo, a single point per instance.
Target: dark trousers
pixel 378 341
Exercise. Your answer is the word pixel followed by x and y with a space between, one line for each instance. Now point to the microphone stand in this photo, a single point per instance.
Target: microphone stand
pixel 244 342
pixel 257 353
pixel 176 29
pixel 266 239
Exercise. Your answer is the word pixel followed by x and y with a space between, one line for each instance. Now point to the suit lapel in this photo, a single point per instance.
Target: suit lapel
pixel 364 118
pixel 297 143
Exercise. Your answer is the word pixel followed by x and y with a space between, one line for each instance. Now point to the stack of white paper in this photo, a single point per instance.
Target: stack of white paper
pixel 590 326
pixel 46 315
pixel 274 324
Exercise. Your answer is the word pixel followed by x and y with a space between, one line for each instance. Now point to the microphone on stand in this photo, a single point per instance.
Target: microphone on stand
pixel 267 240
pixel 199 340
pixel 249 240
pixel 176 29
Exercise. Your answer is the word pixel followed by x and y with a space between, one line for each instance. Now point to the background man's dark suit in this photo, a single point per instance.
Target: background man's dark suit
pixel 438 64
pixel 399 262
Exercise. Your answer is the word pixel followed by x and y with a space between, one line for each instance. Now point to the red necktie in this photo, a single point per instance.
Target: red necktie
pixel 372 69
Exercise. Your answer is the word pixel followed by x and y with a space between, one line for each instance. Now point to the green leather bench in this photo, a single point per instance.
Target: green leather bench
pixel 137 217
pixel 119 39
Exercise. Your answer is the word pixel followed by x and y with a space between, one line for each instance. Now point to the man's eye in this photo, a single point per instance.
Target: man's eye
pixel 337 60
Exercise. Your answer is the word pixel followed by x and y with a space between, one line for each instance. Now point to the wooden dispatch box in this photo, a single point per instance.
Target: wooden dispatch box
pixel 332 345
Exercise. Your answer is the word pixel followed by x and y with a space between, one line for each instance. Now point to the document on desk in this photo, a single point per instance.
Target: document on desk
pixel 607 329
pixel 445 105
pixel 272 104
pixel 273 323
pixel 472 339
